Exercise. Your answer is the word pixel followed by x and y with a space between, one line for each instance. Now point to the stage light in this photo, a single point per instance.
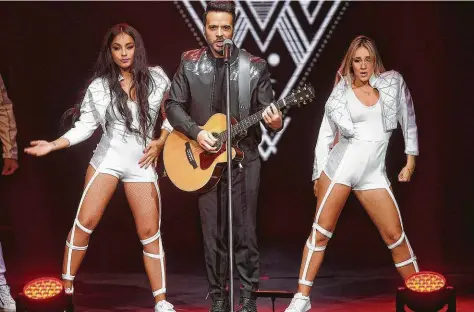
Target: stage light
pixel 43 288
pixel 44 294
pixel 426 292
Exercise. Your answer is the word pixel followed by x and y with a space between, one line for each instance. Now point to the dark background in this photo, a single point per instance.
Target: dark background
pixel 47 52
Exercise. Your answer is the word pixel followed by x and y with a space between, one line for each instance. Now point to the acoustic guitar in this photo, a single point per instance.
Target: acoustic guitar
pixel 193 169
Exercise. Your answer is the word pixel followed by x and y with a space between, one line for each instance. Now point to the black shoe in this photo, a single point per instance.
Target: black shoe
pixel 247 305
pixel 220 305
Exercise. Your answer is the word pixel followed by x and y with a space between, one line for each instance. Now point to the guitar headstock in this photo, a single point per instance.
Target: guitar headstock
pixel 301 95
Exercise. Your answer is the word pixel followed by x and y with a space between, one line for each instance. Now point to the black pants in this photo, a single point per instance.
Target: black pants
pixel 213 210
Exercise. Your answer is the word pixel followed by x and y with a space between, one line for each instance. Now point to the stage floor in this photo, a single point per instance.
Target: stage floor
pixel 372 291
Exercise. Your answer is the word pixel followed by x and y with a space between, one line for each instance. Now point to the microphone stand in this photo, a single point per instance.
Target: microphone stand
pixel 229 177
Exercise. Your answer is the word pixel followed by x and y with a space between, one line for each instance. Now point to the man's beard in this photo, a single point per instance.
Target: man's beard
pixel 211 46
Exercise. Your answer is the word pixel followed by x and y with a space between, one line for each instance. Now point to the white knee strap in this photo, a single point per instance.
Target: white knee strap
pixel 313 248
pixel 155 256
pixel 322 230
pixel 412 255
pixel 82 227
pixel 151 239
pixel 159 256
pixel 398 242
pixel 81 248
pixel 316 227
pixel 312 245
pixel 71 246
pixel 402 237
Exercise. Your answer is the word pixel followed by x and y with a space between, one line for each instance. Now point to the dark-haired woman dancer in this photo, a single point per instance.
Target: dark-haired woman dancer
pixel 124 98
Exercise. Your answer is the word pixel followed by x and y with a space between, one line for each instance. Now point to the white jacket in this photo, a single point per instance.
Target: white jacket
pixel 97 99
pixel 397 107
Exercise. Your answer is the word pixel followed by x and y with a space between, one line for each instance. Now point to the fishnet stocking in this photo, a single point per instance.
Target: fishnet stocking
pixel 98 190
pixel 144 201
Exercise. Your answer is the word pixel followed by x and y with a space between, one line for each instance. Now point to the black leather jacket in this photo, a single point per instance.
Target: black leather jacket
pixel 191 100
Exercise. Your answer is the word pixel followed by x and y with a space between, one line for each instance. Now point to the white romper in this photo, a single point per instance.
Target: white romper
pixel 119 150
pixel 359 161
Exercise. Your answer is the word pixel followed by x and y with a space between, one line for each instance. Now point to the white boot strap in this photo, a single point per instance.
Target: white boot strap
pixel 151 239
pixel 82 227
pixel 304 282
pixel 154 256
pixel 76 247
pixel 67 277
pixel 398 242
pixel 322 230
pixel 404 263
pixel 314 247
pixel 159 292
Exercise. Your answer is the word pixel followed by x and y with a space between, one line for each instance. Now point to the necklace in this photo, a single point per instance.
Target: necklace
pixel 366 92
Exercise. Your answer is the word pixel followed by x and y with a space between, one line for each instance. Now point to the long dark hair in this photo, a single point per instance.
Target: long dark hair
pixel 106 69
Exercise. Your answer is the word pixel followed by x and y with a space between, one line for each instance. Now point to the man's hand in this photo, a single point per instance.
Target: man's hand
pixel 273 117
pixel 206 140
pixel 9 166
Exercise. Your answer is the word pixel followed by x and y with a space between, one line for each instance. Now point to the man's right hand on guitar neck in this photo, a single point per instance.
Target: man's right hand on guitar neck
pixel 206 140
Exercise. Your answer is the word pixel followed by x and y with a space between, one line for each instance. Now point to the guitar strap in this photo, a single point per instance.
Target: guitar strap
pixel 244 84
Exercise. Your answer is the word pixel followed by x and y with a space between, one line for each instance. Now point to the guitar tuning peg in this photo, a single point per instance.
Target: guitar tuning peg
pixel 304 102
pixel 311 100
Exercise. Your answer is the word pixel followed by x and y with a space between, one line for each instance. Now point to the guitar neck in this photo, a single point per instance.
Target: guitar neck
pixel 251 120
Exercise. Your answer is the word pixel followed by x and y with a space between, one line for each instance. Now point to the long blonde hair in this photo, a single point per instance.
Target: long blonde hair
pixel 346 71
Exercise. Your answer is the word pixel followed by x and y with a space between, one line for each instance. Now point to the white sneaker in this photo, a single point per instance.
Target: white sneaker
pixel 6 301
pixel 164 306
pixel 69 291
pixel 299 303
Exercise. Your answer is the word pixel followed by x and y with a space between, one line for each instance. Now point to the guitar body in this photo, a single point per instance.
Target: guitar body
pixel 189 166
pixel 192 169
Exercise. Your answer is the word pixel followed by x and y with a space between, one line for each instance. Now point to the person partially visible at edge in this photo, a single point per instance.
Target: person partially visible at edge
pixel 10 165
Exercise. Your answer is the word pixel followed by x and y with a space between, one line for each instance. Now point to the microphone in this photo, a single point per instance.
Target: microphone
pixel 227 49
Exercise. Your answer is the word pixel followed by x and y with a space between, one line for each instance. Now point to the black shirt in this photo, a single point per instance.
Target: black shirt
pixel 219 98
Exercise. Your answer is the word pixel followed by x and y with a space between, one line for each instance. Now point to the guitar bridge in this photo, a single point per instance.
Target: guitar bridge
pixel 190 156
